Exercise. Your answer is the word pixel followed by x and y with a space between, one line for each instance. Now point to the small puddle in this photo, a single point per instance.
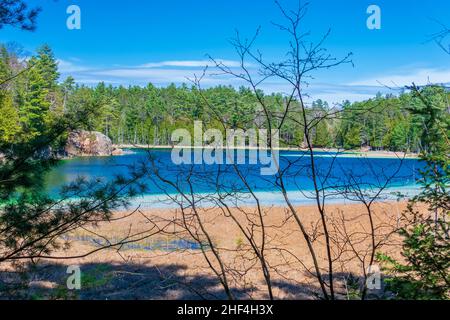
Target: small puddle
pixel 148 245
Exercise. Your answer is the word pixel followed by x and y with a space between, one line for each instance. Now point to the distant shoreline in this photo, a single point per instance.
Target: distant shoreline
pixel 346 153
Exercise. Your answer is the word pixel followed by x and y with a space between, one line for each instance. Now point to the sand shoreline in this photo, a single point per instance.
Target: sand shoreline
pixel 332 151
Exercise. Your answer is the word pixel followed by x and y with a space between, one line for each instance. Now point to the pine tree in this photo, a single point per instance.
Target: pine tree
pixel 9 119
pixel 34 112
pixel 425 271
pixel 47 67
pixel 352 138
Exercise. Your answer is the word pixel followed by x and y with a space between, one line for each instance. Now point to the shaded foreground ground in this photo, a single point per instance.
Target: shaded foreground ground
pixel 162 267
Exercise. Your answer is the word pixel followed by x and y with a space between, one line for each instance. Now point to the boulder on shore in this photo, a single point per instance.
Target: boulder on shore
pixel 89 143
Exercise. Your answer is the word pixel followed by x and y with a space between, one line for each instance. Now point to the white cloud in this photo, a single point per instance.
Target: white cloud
pixel 65 66
pixel 158 76
pixel 190 63
pixel 180 71
pixel 96 81
pixel 159 73
pixel 418 76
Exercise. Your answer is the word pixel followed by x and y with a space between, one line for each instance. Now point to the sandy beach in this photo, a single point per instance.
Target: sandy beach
pixel 332 151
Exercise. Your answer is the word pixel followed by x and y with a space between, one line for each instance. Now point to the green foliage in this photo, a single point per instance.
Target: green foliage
pixel 352 138
pixel 9 121
pixel 425 275
pixel 35 119
pixel 97 277
pixel 424 271
pixel 148 115
pixel 47 67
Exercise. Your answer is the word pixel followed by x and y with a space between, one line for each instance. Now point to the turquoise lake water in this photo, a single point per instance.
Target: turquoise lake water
pixel 334 174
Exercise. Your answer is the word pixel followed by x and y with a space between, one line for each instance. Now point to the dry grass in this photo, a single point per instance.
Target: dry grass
pixel 150 271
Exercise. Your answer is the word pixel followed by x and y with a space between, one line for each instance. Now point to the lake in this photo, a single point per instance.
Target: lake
pixel 334 175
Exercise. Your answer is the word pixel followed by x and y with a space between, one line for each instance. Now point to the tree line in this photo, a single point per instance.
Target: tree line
pixel 148 115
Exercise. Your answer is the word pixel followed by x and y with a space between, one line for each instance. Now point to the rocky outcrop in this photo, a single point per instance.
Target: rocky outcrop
pixel 117 152
pixel 82 143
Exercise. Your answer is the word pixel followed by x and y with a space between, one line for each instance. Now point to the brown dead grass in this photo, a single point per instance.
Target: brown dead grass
pixel 160 274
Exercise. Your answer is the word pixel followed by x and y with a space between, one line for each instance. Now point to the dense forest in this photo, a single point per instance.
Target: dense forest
pixel 33 98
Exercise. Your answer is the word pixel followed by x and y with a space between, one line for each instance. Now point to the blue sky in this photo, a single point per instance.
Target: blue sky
pixel 141 41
